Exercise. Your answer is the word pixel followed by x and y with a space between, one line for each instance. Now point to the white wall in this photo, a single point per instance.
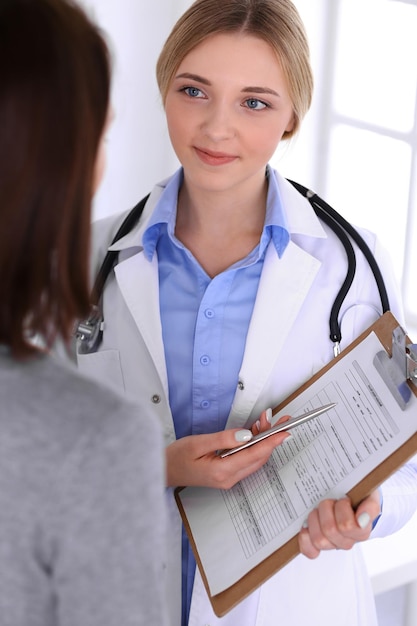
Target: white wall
pixel 138 148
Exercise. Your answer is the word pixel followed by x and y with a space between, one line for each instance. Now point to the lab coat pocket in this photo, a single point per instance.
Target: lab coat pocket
pixel 103 366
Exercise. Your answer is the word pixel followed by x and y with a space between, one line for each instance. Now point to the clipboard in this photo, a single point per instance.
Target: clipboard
pixel 398 355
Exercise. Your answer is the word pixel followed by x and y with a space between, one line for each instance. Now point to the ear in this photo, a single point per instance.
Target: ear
pixel 291 124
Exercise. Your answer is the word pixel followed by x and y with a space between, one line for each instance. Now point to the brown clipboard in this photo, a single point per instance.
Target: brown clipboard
pixel 223 602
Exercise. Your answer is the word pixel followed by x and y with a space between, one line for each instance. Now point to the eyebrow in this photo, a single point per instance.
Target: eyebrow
pixel 260 90
pixel 250 89
pixel 196 77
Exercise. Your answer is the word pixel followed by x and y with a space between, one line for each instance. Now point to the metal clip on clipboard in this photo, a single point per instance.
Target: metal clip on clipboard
pixel 400 368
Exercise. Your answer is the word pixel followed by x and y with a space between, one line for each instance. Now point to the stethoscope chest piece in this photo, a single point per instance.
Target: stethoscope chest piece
pixel 89 332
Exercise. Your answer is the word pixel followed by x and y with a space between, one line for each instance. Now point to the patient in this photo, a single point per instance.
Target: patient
pixel 82 516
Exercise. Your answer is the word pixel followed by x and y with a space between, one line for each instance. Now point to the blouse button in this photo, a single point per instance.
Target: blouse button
pixel 156 399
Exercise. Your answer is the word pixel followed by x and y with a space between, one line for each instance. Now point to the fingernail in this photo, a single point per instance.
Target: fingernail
pixel 268 415
pixel 363 520
pixel 258 425
pixel 243 435
pixel 305 524
pixel 288 437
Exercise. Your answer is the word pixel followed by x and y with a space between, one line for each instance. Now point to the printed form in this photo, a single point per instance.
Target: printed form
pixel 235 530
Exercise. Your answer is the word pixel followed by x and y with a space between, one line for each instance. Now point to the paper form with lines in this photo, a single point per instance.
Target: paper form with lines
pixel 236 530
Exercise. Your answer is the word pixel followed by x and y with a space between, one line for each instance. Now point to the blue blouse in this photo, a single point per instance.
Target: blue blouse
pixel 204 324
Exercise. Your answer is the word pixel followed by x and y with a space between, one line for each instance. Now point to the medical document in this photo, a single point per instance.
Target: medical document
pixel 236 530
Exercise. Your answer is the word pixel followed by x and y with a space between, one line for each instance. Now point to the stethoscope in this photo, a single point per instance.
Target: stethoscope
pixel 89 333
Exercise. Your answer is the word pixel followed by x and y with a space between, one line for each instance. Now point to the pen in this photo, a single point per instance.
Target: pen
pixel 294 421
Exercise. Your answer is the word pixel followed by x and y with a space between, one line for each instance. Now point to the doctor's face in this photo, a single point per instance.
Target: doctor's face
pixel 227 109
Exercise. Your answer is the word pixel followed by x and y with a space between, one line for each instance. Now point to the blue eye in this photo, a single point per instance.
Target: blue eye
pixel 255 105
pixel 193 92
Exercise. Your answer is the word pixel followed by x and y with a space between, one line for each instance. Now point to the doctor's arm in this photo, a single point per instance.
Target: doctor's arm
pixel 334 524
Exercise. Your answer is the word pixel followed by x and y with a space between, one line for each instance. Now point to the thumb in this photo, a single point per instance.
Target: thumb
pixel 369 510
pixel 363 519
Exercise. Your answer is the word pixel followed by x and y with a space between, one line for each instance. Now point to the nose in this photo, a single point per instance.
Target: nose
pixel 218 124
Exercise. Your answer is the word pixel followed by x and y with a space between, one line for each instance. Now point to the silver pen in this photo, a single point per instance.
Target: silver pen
pixel 294 421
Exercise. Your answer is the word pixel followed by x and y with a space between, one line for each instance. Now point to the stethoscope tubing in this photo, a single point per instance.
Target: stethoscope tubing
pixel 91 334
pixel 343 229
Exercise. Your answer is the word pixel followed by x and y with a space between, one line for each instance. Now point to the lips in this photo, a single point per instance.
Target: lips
pixel 214 158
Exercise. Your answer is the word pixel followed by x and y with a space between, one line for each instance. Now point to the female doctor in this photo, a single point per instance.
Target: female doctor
pixel 218 305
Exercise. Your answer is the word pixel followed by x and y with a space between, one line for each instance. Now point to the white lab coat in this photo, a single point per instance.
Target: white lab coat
pixel 288 340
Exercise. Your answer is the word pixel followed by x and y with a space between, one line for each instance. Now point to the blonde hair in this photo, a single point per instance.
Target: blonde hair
pixel 277 22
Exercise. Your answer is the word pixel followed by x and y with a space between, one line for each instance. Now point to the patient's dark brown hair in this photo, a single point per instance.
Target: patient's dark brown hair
pixel 54 97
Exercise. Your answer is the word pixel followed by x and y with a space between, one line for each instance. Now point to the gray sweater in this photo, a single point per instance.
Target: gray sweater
pixel 82 513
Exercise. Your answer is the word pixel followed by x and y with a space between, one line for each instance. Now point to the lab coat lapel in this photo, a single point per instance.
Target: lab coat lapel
pixel 138 282
pixel 283 287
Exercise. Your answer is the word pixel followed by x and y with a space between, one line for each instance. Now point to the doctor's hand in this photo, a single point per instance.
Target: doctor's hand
pixel 335 524
pixel 193 460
